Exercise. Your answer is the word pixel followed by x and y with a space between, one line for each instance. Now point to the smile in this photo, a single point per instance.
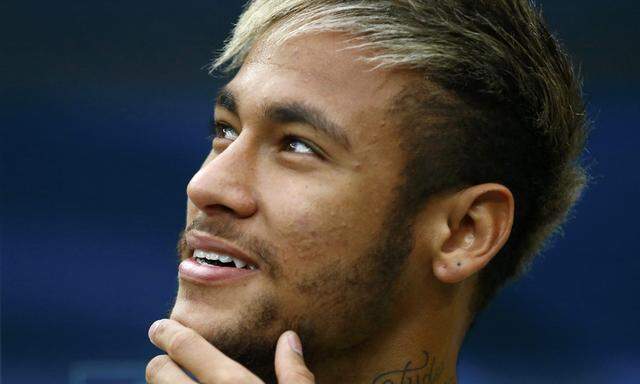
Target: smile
pixel 204 272
pixel 220 260
pixel 214 260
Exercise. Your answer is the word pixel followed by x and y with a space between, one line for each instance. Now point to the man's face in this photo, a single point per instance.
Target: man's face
pixel 303 179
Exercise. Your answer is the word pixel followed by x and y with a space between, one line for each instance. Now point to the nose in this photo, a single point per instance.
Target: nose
pixel 225 183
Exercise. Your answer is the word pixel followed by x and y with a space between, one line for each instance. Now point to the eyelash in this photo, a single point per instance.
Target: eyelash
pixel 217 132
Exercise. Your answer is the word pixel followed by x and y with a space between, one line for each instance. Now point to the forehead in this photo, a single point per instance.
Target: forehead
pixel 321 70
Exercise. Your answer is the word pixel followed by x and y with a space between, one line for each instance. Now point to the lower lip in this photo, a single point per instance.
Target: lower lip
pixel 192 270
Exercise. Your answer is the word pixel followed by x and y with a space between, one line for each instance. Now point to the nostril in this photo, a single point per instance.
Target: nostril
pixel 219 208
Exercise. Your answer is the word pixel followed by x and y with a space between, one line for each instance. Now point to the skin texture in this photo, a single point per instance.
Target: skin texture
pixel 371 291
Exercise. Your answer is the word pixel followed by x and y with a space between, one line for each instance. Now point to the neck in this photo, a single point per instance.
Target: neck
pixel 402 363
pixel 417 347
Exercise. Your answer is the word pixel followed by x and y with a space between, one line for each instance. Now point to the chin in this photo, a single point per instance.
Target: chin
pixel 246 336
pixel 199 313
pixel 217 316
pixel 196 318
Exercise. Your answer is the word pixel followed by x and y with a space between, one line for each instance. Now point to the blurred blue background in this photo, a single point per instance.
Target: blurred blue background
pixel 104 108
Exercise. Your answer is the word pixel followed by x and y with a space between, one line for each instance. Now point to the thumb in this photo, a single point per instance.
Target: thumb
pixel 290 366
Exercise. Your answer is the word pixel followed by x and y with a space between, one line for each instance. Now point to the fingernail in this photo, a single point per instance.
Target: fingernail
pixel 294 342
pixel 153 327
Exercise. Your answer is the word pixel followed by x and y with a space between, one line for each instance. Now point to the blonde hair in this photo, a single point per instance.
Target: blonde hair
pixel 519 118
pixel 394 28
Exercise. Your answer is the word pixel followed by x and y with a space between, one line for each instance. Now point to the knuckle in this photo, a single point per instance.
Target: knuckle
pixel 182 340
pixel 155 366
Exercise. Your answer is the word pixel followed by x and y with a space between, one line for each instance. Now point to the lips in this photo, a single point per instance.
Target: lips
pixel 211 245
pixel 214 261
pixel 221 260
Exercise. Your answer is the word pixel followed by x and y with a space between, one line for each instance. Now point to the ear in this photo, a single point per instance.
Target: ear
pixel 479 221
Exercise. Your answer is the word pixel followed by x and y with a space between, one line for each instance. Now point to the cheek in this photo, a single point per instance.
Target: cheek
pixel 315 235
pixel 308 231
pixel 322 227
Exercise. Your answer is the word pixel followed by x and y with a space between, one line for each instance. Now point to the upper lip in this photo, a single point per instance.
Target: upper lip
pixel 201 240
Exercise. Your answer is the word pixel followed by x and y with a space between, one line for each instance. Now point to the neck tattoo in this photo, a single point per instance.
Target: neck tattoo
pixel 430 372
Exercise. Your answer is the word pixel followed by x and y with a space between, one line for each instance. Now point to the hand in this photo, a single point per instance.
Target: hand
pixel 187 349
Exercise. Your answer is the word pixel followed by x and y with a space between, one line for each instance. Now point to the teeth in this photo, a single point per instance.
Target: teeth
pixel 238 263
pixel 201 254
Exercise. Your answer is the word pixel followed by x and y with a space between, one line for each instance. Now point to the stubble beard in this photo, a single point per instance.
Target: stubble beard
pixel 356 304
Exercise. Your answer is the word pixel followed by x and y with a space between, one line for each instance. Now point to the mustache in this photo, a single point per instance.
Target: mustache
pixel 227 230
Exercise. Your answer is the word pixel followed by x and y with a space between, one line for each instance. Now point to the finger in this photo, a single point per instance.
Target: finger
pixel 290 366
pixel 195 354
pixel 162 370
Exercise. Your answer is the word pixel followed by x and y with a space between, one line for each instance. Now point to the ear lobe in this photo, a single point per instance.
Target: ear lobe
pixel 480 220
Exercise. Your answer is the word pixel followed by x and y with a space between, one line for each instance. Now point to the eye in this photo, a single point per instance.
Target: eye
pixel 224 131
pixel 296 145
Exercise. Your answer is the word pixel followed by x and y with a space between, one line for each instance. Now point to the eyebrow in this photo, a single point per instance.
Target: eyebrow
pixel 295 112
pixel 289 113
pixel 227 100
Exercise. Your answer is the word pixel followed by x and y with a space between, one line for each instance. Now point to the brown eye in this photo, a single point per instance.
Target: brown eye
pixel 226 132
pixel 295 145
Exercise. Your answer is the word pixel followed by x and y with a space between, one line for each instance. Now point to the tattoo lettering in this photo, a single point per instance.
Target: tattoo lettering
pixel 430 372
